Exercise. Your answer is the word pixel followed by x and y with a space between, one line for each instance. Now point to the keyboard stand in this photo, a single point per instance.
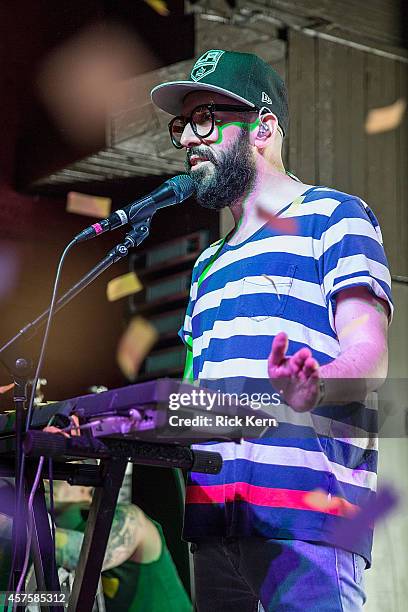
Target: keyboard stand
pixel 93 548
pixel 107 479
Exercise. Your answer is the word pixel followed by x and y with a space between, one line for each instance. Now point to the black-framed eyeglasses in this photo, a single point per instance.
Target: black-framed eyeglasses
pixel 202 120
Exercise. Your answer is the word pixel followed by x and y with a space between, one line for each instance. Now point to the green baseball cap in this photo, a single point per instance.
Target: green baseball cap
pixel 244 77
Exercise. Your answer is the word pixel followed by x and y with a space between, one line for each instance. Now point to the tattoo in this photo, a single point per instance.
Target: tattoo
pixel 123 540
pixel 374 304
pixel 67 547
pixel 379 308
pixel 125 535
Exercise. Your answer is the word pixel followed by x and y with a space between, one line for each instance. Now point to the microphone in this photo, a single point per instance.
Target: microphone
pixel 173 191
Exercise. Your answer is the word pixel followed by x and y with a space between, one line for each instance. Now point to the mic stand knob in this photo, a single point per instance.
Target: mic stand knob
pixel 133 238
pixel 138 233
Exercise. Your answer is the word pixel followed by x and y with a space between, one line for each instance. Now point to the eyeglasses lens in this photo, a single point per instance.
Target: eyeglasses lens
pixel 177 129
pixel 202 119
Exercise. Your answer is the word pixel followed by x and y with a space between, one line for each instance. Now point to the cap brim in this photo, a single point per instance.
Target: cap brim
pixel 169 96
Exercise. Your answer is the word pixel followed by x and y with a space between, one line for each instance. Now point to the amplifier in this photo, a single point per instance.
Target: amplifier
pixel 161 291
pixel 171 253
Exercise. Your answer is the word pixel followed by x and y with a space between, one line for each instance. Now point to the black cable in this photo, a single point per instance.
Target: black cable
pixel 19 484
pixel 47 329
pixel 52 507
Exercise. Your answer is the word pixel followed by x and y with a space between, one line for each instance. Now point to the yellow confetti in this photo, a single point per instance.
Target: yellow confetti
pixel 159 6
pixel 89 205
pixel 385 118
pixel 121 286
pixel 295 204
pixel 353 325
pixel 110 586
pixel 134 346
pixel 61 539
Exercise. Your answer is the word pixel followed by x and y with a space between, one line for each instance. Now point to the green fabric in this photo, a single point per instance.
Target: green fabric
pixel 188 366
pixel 142 587
pixel 188 374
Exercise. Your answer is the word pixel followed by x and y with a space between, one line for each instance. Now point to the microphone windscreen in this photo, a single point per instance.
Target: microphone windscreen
pixel 183 186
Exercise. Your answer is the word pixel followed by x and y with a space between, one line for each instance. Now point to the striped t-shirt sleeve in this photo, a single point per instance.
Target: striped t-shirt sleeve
pixel 353 254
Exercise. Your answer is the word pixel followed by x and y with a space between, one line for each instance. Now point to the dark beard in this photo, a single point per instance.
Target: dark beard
pixel 232 175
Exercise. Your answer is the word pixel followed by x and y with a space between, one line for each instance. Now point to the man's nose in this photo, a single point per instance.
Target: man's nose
pixel 189 138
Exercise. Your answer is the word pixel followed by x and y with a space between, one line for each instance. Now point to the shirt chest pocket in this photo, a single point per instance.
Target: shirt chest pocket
pixel 264 293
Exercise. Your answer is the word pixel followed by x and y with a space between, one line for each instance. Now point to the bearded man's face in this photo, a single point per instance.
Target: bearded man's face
pixel 221 165
pixel 222 176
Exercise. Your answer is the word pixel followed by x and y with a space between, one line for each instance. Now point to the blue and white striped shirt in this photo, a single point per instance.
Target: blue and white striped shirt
pixel 252 291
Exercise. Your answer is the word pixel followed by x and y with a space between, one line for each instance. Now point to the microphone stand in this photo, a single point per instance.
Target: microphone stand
pixel 21 369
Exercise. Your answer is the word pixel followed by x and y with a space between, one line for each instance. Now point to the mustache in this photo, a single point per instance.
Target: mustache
pixel 201 152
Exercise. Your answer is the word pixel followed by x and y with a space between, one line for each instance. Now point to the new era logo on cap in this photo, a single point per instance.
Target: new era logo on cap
pixel 206 64
pixel 266 98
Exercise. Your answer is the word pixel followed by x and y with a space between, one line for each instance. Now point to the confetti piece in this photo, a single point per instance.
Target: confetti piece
pixel 325 502
pixel 384 502
pixel 134 346
pixel 61 539
pixel 385 118
pixel 89 205
pixel 110 586
pixel 295 204
pixel 121 286
pixel 6 388
pixel 78 81
pixel 270 279
pixel 318 499
pixel 280 224
pixel 159 6
pixel 351 327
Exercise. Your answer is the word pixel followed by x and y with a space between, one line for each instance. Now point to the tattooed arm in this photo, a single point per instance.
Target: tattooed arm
pixel 130 537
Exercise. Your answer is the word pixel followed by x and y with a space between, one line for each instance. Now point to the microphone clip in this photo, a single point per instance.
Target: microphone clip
pixel 139 232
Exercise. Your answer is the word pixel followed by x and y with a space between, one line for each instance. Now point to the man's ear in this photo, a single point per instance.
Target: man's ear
pixel 266 131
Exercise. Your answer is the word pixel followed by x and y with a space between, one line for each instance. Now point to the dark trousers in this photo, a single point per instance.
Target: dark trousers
pixel 247 574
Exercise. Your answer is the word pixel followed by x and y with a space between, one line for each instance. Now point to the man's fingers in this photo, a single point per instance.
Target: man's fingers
pixel 303 354
pixel 55 430
pixel 310 367
pixel 276 372
pixel 75 431
pixel 279 348
pixel 297 361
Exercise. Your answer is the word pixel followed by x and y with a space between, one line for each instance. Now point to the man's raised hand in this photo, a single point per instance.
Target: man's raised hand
pixel 296 377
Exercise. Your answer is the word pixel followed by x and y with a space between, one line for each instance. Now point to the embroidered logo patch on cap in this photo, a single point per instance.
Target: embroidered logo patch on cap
pixel 266 98
pixel 206 64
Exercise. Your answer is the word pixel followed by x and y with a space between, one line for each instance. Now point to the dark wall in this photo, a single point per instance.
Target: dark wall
pixel 332 88
pixel 376 21
pixel 34 229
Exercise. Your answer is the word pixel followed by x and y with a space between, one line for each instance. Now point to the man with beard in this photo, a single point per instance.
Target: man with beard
pixel 300 303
